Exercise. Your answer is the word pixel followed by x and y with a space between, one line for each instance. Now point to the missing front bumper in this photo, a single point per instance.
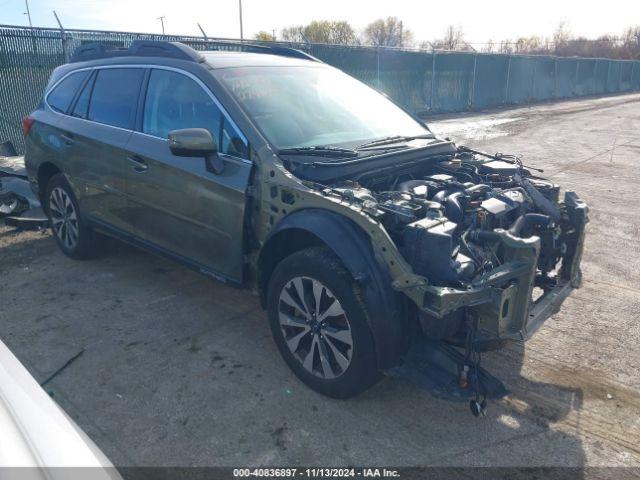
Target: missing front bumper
pixel 501 300
pixel 546 306
pixel 435 366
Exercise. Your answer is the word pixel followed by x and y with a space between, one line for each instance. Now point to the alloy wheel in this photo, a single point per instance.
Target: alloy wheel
pixel 64 218
pixel 315 327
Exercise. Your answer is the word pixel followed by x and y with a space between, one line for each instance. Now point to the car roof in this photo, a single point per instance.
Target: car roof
pixel 227 54
pixel 222 59
pixel 180 55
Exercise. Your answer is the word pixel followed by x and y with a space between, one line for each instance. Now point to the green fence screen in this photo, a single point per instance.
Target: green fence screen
pixel 421 81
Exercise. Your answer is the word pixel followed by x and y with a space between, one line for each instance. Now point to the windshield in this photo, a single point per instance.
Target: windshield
pixel 316 106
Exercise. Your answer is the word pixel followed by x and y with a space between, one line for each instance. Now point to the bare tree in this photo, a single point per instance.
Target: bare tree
pixel 264 36
pixel 453 39
pixel 505 46
pixel 631 42
pixel 389 32
pixel 321 31
pixel 533 44
pixel 293 34
pixel 564 44
pixel 561 38
pixel 342 33
pixel 489 47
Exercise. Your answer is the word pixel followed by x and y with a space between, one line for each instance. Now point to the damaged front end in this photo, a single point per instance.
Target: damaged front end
pixel 509 251
pixel 19 205
pixel 499 250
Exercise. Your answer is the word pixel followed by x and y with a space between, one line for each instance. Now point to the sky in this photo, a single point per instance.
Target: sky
pixel 480 20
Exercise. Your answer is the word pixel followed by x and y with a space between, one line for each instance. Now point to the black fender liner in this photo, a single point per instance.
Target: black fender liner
pixel 386 307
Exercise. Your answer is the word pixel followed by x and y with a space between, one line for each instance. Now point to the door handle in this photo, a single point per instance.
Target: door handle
pixel 66 139
pixel 139 165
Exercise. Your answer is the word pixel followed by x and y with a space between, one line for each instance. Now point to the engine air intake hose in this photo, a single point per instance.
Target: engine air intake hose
pixel 453 209
pixel 477 190
pixel 528 220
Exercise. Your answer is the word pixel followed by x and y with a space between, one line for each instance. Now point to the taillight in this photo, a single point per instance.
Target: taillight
pixel 27 122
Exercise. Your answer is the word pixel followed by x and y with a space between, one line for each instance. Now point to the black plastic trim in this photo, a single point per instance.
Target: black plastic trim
pixel 156 249
pixel 139 48
pixel 178 50
pixel 387 308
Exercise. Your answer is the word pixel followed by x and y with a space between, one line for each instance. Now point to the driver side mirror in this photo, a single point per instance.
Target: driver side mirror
pixel 196 142
pixel 192 142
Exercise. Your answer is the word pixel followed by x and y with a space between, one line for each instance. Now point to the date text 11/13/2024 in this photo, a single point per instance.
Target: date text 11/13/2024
pixel 316 472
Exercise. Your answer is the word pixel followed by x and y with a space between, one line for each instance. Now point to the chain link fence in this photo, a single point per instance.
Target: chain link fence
pixel 421 81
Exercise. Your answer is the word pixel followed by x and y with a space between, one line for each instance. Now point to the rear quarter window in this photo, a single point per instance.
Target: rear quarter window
pixel 114 96
pixel 82 104
pixel 61 96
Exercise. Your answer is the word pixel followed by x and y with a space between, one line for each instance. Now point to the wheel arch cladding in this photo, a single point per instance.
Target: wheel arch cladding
pixel 386 308
pixel 45 172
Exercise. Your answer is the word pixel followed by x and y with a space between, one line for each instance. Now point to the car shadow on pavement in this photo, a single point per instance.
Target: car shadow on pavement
pixel 181 370
pixel 518 431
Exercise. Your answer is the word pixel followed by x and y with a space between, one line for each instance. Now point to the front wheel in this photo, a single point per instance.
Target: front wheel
pixel 320 325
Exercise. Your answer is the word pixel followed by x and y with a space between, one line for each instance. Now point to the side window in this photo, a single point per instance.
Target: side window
pixel 232 143
pixel 60 97
pixel 82 104
pixel 175 101
pixel 114 97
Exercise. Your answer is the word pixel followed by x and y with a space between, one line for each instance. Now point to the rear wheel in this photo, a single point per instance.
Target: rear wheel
pixel 319 324
pixel 73 236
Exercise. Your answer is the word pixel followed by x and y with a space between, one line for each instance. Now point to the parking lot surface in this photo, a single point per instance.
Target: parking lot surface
pixel 180 370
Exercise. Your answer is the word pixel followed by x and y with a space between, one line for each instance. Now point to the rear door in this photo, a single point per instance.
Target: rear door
pixel 175 203
pixel 52 144
pixel 94 135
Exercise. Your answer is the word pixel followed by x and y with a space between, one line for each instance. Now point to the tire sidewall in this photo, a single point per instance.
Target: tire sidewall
pixel 60 181
pixel 321 265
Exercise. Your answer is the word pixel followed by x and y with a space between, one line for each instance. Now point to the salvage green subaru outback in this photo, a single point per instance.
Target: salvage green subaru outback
pixel 376 247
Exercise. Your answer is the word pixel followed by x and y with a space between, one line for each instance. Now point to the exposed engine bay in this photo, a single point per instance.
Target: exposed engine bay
pixel 454 208
pixel 460 219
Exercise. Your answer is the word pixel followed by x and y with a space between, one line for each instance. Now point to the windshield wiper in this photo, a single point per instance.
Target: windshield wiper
pixel 321 151
pixel 393 139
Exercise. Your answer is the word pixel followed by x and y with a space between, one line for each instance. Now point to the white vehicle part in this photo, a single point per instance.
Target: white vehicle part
pixel 36 432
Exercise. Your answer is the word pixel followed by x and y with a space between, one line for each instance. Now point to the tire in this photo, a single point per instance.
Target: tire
pixel 74 237
pixel 329 348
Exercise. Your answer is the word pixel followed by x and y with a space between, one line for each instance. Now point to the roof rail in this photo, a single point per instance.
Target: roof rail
pixel 178 50
pixel 139 48
pixel 269 49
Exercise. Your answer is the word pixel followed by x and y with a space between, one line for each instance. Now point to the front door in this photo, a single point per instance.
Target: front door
pixel 175 203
